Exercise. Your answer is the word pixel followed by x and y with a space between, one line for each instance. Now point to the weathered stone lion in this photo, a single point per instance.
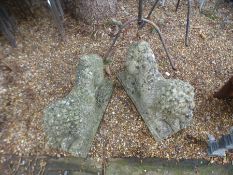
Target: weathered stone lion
pixel 71 123
pixel 165 105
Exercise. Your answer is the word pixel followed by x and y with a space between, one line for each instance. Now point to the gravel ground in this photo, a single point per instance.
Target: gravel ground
pixel 42 69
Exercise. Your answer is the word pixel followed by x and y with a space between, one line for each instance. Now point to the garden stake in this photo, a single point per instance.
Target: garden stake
pixel 141 23
pixel 188 20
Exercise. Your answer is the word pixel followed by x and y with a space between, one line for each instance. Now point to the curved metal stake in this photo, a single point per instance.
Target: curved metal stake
pixel 161 39
pixel 149 14
pixel 146 21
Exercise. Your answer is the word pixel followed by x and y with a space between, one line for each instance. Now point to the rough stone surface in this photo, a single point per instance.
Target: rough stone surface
pixel 166 105
pixel 71 123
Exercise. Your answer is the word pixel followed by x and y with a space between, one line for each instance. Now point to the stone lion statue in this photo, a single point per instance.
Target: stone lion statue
pixel 166 105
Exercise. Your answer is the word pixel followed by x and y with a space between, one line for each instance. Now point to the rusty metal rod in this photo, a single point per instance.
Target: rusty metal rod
pixel 140 11
pixel 177 5
pixel 152 9
pixel 188 23
pixel 149 14
pixel 163 43
pixel 187 20
pixel 146 21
